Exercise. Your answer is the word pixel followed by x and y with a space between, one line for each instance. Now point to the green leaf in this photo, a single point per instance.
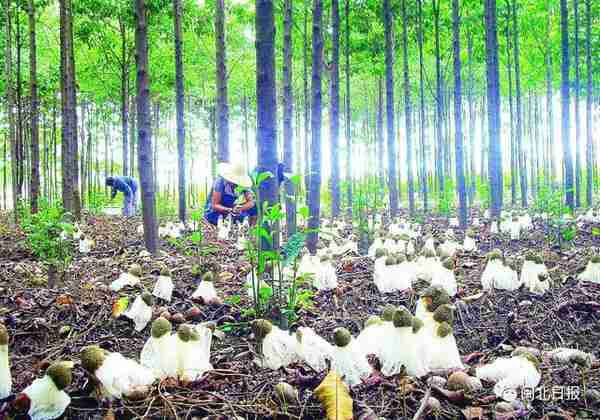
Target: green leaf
pixel 296 179
pixel 262 177
pixel 291 250
pixel 596 231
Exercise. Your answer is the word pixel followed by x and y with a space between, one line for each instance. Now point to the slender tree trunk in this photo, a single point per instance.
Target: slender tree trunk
pixel 549 97
pixel 472 182
pixel 458 143
pixel 213 141
pixel 348 113
pixel 66 121
pixel 35 148
pixel 132 140
pixel 519 127
pixel 307 155
pixel 335 109
pixel 389 105
pixel 20 152
pixel 222 98
pixel 379 133
pixel 577 113
pixel 588 102
pixel 314 193
pixel 493 108
pixel 484 143
pixel 422 108
pixel 124 97
pixel 8 71
pixel 288 115
pixel 144 128
pixel 179 103
pixel 438 99
pixel 565 103
pixel 407 112
pixel 513 144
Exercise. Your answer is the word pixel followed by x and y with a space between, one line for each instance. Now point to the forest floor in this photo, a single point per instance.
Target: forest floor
pixel 46 325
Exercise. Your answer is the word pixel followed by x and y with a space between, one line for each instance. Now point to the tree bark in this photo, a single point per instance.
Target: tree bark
pixel 179 103
pixel 513 144
pixel 335 109
pixel 314 192
pixel 438 100
pixel 66 121
pixel 144 128
pixel 288 115
pixel 565 103
pixel 458 141
pixel 348 114
pixel 389 105
pixel 577 113
pixel 222 98
pixel 307 156
pixel 493 108
pixel 124 97
pixel 407 112
pixel 588 102
pixel 422 109
pixel 35 148
pixel 8 71
pixel 379 147
pixel 519 127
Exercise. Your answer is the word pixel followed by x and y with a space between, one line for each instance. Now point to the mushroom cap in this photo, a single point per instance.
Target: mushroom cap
pixel 61 374
pixel 208 276
pixel 400 258
pixel 388 312
pixel 186 333
pixel 390 260
pixel 444 313
pixel 417 324
pixel 341 337
pixel 135 269
pixel 3 335
pixel 443 330
pixel 437 296
pixel 595 259
pixel 448 264
pixel 543 276
pixel 261 328
pixel 373 320
pixel 92 358
pixel 402 318
pixel 535 257
pixel 147 298
pixel 380 252
pixel 160 327
pixel 496 254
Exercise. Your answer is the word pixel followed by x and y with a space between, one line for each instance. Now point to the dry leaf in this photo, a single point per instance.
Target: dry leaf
pixel 334 396
pixel 473 413
pixel 120 306
pixel 110 415
pixel 64 300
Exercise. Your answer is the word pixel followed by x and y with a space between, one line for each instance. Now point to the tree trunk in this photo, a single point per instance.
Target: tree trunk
pixel 124 98
pixel 589 163
pixel 407 112
pixel 66 121
pixel 422 108
pixel 565 103
pixel 144 128
pixel 389 105
pixel 471 101
pixel 379 139
pixel 519 127
pixel 307 156
pixel 438 100
pixel 513 145
pixel 222 100
pixel 8 71
pixel 132 140
pixel 493 108
pixel 577 118
pixel 288 115
pixel 35 148
pixel 314 192
pixel 348 113
pixel 458 143
pixel 179 103
pixel 335 109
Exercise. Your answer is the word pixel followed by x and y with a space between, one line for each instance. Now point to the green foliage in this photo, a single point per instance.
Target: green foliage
pixel 446 200
pixel 43 230
pixel 550 201
pixel 483 191
pixel 165 206
pixel 97 201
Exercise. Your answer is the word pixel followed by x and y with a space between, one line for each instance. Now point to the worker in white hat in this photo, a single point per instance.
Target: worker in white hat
pixel 231 186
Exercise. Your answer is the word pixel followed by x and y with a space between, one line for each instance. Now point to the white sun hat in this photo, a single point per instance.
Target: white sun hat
pixel 234 173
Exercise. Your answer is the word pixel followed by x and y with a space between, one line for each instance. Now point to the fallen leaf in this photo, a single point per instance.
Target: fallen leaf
pixel 120 306
pixel 225 276
pixel 334 396
pixel 473 413
pixel 64 300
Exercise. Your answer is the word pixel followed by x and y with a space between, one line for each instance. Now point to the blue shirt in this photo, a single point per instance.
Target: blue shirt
pixel 228 198
pixel 125 184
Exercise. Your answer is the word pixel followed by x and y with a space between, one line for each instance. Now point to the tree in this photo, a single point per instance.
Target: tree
pixel 35 146
pixel 179 102
pixel 222 98
pixel 266 106
pixel 348 112
pixel 288 114
pixel 439 110
pixel 8 70
pixel 144 128
pixel 335 109
pixel 577 100
pixel 493 107
pixel 422 107
pixel 565 100
pixel 588 116
pixel 314 197
pixel 458 141
pixel 389 105
pixel 407 111
pixel 519 127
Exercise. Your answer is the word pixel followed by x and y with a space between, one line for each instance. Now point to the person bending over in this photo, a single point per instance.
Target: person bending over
pixel 225 198
pixel 128 186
